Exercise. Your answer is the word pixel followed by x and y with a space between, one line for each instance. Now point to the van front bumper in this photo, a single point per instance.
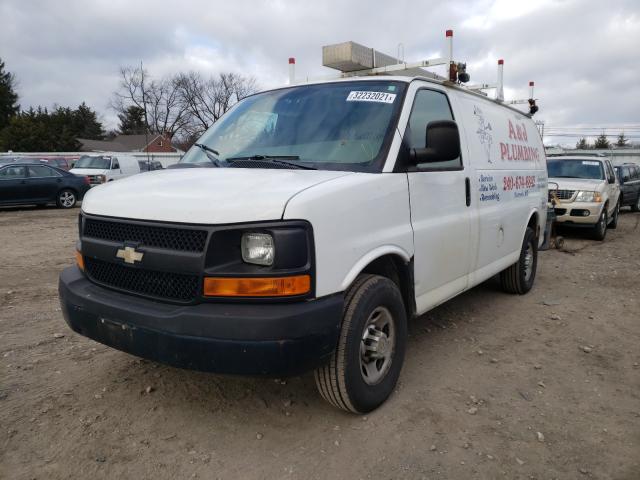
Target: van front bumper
pixel 573 214
pixel 251 339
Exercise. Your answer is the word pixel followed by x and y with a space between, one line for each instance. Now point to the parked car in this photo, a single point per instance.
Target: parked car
pixel 306 226
pixel 629 177
pixel 105 168
pixel 588 193
pixel 34 183
pixel 147 166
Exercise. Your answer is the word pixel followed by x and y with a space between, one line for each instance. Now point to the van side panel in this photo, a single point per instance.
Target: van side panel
pixel 508 180
pixel 356 219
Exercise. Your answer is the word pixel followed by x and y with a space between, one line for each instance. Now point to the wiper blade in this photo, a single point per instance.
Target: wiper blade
pixel 278 159
pixel 210 152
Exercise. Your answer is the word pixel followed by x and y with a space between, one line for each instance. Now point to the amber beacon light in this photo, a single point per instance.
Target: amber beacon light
pixel 257 287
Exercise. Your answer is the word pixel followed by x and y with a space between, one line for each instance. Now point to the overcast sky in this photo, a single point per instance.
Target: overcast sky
pixel 584 55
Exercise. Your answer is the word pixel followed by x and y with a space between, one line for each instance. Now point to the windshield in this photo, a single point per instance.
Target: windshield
pixel 575 169
pixel 102 163
pixel 335 126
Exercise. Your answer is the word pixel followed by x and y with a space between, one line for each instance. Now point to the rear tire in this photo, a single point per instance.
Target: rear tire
pixel 600 229
pixel 519 277
pixel 66 198
pixel 614 221
pixel 364 369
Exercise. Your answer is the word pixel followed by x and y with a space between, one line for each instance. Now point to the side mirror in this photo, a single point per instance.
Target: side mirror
pixel 442 143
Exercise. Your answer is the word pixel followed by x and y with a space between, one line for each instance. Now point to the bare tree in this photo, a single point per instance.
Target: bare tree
pixel 161 101
pixel 208 99
pixel 183 105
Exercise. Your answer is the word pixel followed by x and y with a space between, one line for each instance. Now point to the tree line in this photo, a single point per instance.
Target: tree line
pixel 602 142
pixel 181 106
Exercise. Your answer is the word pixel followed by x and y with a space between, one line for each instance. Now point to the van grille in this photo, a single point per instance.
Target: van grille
pixel 162 285
pixel 181 239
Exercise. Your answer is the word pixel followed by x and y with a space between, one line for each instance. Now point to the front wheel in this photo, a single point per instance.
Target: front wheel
pixel 519 277
pixel 614 219
pixel 600 229
pixel 365 366
pixel 66 199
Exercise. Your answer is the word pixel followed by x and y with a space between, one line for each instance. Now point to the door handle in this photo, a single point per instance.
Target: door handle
pixel 467 190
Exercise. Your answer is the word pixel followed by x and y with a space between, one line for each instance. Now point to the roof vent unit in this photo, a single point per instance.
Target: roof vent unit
pixel 352 57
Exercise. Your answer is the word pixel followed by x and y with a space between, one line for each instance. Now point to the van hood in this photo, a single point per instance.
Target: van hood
pixel 89 171
pixel 203 195
pixel 586 184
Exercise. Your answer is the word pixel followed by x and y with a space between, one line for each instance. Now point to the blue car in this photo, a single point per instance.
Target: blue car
pixel 35 183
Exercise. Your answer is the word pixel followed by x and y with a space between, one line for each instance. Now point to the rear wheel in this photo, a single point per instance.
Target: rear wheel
pixel 66 198
pixel 365 366
pixel 519 277
pixel 614 220
pixel 600 229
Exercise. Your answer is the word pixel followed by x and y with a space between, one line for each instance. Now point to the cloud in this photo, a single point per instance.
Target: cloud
pixel 582 54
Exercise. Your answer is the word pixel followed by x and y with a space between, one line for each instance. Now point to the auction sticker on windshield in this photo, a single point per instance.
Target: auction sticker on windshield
pixel 382 97
pixel 589 162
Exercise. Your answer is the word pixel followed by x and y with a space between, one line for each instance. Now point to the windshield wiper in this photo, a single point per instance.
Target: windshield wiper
pixel 210 152
pixel 278 159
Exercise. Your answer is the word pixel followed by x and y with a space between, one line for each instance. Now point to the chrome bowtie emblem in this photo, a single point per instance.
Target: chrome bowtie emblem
pixel 129 255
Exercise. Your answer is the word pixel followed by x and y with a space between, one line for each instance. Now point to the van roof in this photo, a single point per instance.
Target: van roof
pixel 408 79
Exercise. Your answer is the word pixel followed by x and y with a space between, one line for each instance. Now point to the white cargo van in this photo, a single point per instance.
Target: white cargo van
pixel 305 229
pixel 103 168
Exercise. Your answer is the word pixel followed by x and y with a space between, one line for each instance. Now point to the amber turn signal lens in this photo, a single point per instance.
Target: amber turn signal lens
pixel 79 260
pixel 257 287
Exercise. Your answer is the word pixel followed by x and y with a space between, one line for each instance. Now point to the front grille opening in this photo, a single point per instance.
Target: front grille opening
pixel 181 239
pixel 561 194
pixel 161 285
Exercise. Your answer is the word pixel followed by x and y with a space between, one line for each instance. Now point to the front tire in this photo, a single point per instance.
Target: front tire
pixel 364 369
pixel 66 198
pixel 614 220
pixel 519 277
pixel 600 229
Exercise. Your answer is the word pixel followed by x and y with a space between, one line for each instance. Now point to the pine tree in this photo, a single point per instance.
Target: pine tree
pixel 622 140
pixel 582 144
pixel 602 142
pixel 8 97
pixel 132 121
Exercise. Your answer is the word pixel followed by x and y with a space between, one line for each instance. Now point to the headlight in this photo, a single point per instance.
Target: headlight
pixel 101 178
pixel 258 248
pixel 588 197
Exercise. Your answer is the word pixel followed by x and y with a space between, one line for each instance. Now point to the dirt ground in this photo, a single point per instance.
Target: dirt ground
pixel 494 386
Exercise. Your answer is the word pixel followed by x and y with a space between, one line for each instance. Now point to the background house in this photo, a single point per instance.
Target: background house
pixel 151 143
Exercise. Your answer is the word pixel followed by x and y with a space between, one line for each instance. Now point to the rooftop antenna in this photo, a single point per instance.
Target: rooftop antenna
pixel 500 87
pixel 292 70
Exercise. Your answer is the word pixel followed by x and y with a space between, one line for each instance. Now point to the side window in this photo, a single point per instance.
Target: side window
pixel 11 173
pixel 114 164
pixel 42 171
pixel 429 105
pixel 636 174
pixel 611 176
pixel 626 174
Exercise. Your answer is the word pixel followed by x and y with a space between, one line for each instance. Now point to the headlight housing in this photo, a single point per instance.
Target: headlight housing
pixel 588 197
pixel 258 248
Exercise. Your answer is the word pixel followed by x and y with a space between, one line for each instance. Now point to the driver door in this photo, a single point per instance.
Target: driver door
pixel 440 214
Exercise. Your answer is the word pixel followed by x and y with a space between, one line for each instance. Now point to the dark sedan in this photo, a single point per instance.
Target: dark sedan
pixel 39 184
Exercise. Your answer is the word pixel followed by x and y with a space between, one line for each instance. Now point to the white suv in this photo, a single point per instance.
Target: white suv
pixel 586 191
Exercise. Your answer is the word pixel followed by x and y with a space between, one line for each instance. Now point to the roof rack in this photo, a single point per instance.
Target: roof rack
pixel 352 59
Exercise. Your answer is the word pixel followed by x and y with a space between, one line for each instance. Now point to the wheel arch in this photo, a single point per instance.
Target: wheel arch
pixel 393 263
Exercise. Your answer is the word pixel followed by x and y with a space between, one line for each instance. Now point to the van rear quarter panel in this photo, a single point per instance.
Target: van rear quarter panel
pixel 508 178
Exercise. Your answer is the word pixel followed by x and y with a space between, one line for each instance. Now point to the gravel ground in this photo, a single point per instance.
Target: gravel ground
pixel 494 386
